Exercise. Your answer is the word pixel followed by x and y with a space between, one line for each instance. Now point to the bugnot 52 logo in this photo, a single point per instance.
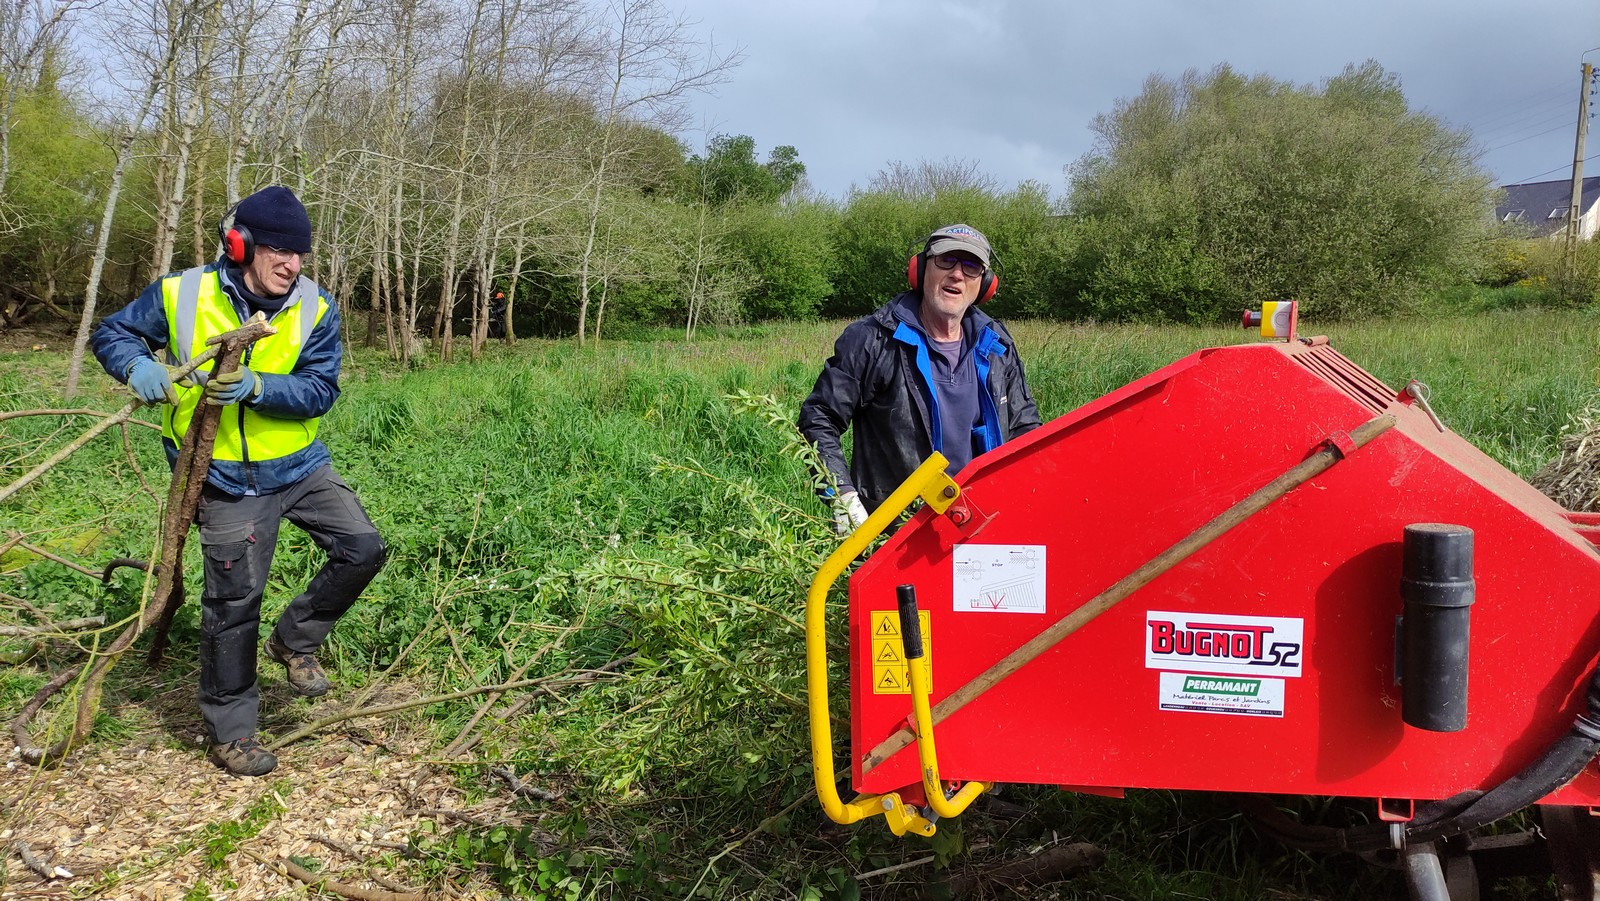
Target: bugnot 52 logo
pixel 1220 643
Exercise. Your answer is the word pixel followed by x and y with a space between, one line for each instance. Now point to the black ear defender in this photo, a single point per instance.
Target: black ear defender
pixel 237 243
pixel 917 266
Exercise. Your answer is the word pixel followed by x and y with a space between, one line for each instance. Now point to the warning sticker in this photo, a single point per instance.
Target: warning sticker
pixel 1233 695
pixel 889 674
pixel 998 578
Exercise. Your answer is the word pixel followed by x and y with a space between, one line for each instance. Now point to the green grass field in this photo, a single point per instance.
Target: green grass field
pixel 649 498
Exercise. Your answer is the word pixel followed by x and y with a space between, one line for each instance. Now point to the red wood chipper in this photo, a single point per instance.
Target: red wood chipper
pixel 1258 570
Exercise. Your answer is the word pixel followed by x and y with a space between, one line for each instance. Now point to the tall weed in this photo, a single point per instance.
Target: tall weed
pixel 651 502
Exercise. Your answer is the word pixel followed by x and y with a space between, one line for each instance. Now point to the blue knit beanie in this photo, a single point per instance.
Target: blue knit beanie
pixel 275 218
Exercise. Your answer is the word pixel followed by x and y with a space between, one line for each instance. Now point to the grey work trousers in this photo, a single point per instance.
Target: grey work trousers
pixel 237 537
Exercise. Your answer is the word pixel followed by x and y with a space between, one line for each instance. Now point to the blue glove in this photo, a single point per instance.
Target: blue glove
pixel 151 383
pixel 232 387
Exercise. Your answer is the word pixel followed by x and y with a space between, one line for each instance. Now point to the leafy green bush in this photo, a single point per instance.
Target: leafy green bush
pixel 1574 284
pixel 789 255
pixel 1160 275
pixel 879 231
pixel 1506 256
pixel 1216 192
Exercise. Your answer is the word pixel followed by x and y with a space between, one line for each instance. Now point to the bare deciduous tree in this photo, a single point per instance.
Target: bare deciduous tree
pixel 148 64
pixel 651 63
pixel 930 178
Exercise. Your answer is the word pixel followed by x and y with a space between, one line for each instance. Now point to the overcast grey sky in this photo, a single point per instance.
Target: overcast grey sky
pixel 1014 84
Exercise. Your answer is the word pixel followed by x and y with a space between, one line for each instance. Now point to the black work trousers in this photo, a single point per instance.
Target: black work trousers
pixel 238 536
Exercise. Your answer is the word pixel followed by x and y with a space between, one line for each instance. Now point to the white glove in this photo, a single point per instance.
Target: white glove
pixel 848 513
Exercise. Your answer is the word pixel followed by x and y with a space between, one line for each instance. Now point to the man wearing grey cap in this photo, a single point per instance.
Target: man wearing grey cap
pixel 928 371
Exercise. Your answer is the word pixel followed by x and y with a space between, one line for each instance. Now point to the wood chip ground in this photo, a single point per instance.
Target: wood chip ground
pixel 138 822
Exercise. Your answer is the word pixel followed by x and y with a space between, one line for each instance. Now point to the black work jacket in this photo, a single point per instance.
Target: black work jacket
pixel 873 383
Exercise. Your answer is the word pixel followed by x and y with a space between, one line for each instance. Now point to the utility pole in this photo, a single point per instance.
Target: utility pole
pixel 1574 212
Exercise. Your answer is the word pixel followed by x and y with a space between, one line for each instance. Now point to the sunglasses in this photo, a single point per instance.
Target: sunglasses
pixel 969 268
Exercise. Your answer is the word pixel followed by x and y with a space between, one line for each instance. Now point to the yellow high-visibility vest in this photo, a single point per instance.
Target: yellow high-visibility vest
pixel 198 309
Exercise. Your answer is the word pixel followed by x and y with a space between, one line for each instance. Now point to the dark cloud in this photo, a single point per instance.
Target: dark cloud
pixel 1014 85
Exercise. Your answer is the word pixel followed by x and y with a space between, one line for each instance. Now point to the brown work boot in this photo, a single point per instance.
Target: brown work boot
pixel 243 757
pixel 305 673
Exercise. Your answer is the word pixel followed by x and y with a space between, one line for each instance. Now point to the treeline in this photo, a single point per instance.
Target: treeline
pixel 449 149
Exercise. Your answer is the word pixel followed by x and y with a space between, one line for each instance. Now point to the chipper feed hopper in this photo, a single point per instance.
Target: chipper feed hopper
pixel 1258 570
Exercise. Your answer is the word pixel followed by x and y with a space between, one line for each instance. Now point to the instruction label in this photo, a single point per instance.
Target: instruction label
pixel 1232 695
pixel 998 578
pixel 889 673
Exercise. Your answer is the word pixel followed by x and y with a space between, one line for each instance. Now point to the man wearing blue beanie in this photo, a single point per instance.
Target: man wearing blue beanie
pixel 268 464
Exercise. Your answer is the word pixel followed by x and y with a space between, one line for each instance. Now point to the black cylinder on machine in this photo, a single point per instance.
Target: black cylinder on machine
pixel 910 623
pixel 1437 587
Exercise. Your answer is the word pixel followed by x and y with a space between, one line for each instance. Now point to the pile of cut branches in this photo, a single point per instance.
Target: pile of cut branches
pixel 1573 478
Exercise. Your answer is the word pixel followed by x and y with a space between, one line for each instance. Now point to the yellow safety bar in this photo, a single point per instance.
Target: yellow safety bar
pixel 931 785
pixel 939 491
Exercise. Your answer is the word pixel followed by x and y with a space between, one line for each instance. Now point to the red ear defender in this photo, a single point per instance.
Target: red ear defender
pixel 914 271
pixel 988 287
pixel 237 244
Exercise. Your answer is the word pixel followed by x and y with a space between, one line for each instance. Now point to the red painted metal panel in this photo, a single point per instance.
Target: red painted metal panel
pixel 1100 491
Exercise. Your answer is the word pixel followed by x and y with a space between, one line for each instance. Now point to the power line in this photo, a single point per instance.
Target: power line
pixel 1568 168
pixel 1545 91
pixel 1511 109
pixel 1509 118
pixel 1526 138
pixel 1534 120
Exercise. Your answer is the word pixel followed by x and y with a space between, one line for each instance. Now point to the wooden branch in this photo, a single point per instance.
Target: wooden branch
pixel 112 419
pixel 23 602
pixel 18 658
pixel 189 477
pixel 456 746
pixel 510 711
pixel 884 871
pixel 133 463
pixel 41 552
pixel 183 497
pixel 461 816
pixel 351 853
pixel 61 628
pixel 19 726
pixel 119 563
pixel 339 846
pixel 518 787
pixel 39 867
pixel 34 473
pixel 559 679
pixel 322 883
pixel 18 414
pixel 1052 865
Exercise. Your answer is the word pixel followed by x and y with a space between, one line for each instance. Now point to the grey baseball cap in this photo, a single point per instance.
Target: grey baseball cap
pixel 959 237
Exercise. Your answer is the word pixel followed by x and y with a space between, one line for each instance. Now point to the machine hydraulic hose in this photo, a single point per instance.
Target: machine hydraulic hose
pixel 1558 765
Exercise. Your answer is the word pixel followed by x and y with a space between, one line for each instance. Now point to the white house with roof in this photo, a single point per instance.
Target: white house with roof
pixel 1542 207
